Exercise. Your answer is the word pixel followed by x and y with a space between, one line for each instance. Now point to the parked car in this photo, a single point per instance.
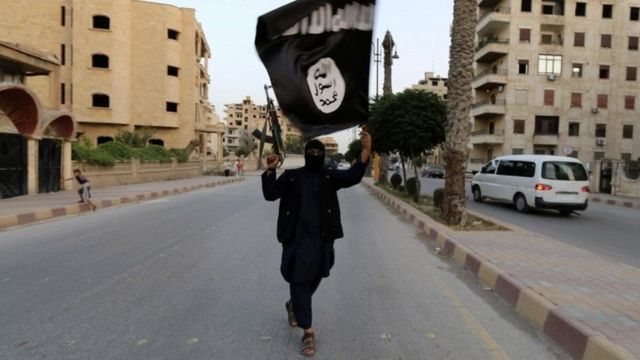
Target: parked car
pixel 344 165
pixel 330 164
pixel 433 171
pixel 534 181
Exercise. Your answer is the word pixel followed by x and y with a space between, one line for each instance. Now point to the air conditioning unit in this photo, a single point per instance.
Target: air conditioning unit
pixel 551 77
pixel 500 88
pixel 601 142
pixel 595 110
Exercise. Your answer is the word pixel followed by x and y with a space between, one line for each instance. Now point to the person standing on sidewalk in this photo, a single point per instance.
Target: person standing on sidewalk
pixel 227 168
pixel 85 188
pixel 308 224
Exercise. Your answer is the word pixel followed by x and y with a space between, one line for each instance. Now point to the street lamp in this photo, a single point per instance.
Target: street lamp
pixel 377 59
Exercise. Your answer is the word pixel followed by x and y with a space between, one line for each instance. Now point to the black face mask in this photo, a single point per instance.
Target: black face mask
pixel 314 162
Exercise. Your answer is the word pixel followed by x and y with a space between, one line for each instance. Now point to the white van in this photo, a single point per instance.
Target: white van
pixel 539 181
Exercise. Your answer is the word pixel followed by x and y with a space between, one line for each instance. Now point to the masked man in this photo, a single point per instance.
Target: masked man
pixel 308 224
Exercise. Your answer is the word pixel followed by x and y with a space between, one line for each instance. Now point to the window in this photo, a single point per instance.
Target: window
pixel 490 168
pixel 598 155
pixel 173 34
pixel 604 72
pixel 100 100
pixel 549 64
pixel 523 67
pixel 101 22
pixel 578 39
pixel 603 101
pixel 626 157
pixel 103 140
pixel 63 16
pixel 434 83
pixel 605 41
pixel 574 129
pixel 525 35
pixel 634 13
pixel 562 170
pixel 549 97
pixel 627 131
pixel 576 70
pixel 574 154
pixel 630 102
pixel 62 93
pixel 546 38
pixel 100 61
pixel 172 107
pixel 601 130
pixel 581 9
pixel 547 9
pixel 172 71
pixel 633 43
pixel 547 125
pixel 518 126
pixel 525 6
pixel 632 72
pixel 157 142
pixel 63 54
pixel 576 100
pixel 516 151
pixel 607 11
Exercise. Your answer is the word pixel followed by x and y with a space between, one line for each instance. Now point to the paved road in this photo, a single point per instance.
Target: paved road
pixel 607 230
pixel 196 276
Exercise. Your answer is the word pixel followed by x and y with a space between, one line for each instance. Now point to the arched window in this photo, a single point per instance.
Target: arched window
pixel 158 142
pixel 101 22
pixel 100 61
pixel 104 139
pixel 100 100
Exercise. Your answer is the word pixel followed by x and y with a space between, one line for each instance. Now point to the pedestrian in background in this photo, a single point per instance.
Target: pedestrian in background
pixel 227 168
pixel 308 224
pixel 85 188
pixel 238 168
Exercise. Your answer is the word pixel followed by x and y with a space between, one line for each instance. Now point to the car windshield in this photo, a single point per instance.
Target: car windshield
pixel 561 170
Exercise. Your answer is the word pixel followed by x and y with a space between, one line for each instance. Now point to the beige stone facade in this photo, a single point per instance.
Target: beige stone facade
pixel 330 144
pixel 243 118
pixel 120 73
pixel 557 77
pixel 433 83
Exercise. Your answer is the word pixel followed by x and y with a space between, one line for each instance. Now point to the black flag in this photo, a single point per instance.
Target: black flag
pixel 317 54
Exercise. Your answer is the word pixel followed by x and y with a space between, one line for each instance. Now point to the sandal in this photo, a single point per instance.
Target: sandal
pixel 290 315
pixel 308 346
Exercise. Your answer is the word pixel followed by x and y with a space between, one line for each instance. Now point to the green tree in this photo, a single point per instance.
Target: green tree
pixel 353 152
pixel 461 54
pixel 294 144
pixel 137 139
pixel 410 123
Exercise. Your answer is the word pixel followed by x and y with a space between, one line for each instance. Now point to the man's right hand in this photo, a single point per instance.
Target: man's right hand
pixel 272 161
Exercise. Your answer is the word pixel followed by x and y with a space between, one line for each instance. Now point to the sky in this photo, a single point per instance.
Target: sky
pixel 420 29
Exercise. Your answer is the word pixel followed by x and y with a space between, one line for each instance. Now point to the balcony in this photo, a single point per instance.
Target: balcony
pixel 545 139
pixel 494 21
pixel 488 108
pixel 487 137
pixel 488 3
pixel 490 79
pixel 490 50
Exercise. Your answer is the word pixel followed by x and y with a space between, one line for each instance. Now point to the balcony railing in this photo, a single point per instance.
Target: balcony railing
pixel 499 71
pixel 486 42
pixel 487 132
pixel 552 42
pixel 496 102
pixel 500 10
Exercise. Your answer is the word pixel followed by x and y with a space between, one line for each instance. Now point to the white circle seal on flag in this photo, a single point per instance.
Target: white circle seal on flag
pixel 326 85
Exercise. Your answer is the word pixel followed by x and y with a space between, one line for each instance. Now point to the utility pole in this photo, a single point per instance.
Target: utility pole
pixel 388 45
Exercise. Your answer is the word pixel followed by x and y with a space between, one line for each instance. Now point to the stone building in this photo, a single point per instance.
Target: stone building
pixel 245 117
pixel 330 144
pixel 557 77
pixel 433 83
pixel 125 65
pixel 35 133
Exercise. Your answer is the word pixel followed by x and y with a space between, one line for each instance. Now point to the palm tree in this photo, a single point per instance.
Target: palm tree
pixel 461 57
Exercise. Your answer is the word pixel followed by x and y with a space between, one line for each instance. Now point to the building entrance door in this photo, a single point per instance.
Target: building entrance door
pixel 606 175
pixel 544 150
pixel 49 163
pixel 13 165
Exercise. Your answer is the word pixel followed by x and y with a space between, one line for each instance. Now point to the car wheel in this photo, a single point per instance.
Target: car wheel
pixel 520 203
pixel 477 194
pixel 565 212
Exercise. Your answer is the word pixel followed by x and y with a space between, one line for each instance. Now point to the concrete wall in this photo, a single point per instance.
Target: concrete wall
pixel 135 172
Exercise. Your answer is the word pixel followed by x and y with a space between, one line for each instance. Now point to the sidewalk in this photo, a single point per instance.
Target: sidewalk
pixel 622 201
pixel 587 304
pixel 27 209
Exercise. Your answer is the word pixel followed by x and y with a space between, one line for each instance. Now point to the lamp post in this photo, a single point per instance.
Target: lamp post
pixel 382 161
pixel 376 59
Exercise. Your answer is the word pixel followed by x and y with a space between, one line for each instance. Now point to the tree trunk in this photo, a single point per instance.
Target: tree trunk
pixel 415 171
pixel 461 54
pixel 404 171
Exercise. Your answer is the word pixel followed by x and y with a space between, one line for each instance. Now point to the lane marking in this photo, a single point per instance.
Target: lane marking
pixel 495 351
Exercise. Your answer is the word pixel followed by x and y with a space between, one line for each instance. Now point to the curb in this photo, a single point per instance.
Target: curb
pixel 577 340
pixel 7 221
pixel 628 204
